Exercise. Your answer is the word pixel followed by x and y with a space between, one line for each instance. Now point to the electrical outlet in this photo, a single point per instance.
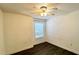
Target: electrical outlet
pixel 71 44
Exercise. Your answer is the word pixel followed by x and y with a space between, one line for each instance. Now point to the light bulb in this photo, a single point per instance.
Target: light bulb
pixel 43 14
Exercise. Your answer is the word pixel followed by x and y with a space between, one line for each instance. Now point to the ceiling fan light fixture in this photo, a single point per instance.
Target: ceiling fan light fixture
pixel 43 8
pixel 43 14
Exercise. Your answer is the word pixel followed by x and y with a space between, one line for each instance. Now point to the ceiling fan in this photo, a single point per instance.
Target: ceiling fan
pixel 45 10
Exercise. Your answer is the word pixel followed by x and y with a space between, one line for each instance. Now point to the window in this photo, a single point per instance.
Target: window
pixel 39 30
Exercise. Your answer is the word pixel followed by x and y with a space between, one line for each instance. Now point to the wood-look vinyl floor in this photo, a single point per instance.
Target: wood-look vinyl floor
pixel 45 49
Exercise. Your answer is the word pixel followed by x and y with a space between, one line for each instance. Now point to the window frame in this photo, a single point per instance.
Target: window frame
pixel 44 28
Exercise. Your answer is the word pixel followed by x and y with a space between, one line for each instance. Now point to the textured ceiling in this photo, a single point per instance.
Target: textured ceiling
pixel 31 8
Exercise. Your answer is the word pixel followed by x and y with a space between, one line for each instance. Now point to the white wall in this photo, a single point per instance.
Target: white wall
pixel 2 46
pixel 63 31
pixel 18 32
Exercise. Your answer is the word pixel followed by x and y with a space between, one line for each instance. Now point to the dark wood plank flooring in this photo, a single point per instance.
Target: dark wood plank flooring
pixel 45 49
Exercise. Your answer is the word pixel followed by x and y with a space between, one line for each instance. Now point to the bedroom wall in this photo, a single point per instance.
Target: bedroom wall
pixel 2 46
pixel 18 32
pixel 63 31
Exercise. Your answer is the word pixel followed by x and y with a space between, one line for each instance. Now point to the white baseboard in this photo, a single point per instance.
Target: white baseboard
pixel 72 50
pixel 9 53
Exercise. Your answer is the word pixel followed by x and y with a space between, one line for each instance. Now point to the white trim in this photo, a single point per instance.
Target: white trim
pixel 72 50
pixel 8 53
pixel 39 40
